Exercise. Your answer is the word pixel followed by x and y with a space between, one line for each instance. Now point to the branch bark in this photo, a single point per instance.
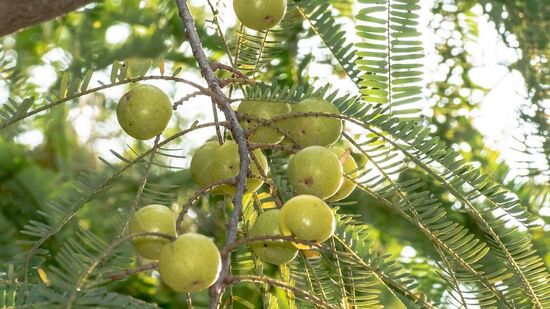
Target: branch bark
pixel 224 104
pixel 19 14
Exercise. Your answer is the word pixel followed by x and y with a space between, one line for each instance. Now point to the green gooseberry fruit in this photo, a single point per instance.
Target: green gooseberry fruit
pixel 314 130
pixel 275 252
pixel 260 14
pixel 190 264
pixel 144 112
pixel 200 166
pixel 152 219
pixel 315 170
pixel 349 166
pixel 263 110
pixel 226 165
pixel 308 218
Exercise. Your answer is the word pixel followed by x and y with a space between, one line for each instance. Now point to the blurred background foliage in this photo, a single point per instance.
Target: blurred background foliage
pixel 32 174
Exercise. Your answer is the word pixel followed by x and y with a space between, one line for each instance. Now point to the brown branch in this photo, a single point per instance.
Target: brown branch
pixel 16 15
pixel 223 103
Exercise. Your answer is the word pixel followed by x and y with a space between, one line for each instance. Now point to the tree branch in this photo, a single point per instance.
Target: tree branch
pixel 129 272
pixel 223 103
pixel 16 15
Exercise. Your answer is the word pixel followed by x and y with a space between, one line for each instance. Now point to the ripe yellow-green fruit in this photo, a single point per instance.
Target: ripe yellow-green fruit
pixel 144 112
pixel 263 110
pixel 349 166
pixel 260 14
pixel 152 219
pixel 315 170
pixel 200 165
pixel 308 218
pixel 271 251
pixel 314 130
pixel 190 264
pixel 226 165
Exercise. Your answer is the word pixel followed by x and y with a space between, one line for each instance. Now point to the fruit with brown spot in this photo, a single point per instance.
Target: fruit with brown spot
pixel 315 170
pixel 260 14
pixel 144 112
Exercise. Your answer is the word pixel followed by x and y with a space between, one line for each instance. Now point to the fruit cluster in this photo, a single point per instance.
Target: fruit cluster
pixel 316 174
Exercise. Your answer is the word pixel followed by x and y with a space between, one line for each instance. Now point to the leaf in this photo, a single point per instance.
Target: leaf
pixel 23 108
pixel 177 71
pixel 161 66
pixel 114 71
pixel 123 71
pixel 86 80
pixel 63 85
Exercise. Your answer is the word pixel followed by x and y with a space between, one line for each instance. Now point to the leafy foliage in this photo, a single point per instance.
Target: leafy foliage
pixel 479 252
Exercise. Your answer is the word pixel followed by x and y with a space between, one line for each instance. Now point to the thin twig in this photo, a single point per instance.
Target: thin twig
pixel 129 272
pixel 185 99
pixel 219 134
pixel 231 81
pixel 289 148
pixel 142 185
pixel 217 66
pixel 196 197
